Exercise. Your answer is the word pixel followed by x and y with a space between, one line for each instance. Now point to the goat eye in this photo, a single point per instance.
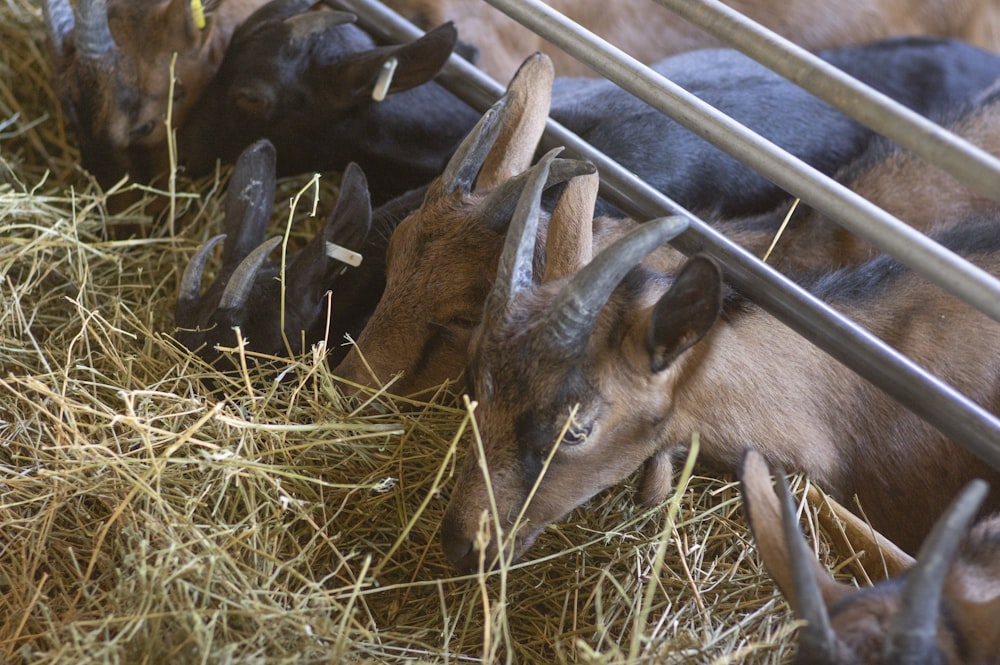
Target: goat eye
pixel 143 130
pixel 254 102
pixel 462 322
pixel 575 434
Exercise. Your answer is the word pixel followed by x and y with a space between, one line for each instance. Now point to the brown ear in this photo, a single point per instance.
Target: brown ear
pixel 570 243
pixel 685 312
pixel 529 97
pixel 766 523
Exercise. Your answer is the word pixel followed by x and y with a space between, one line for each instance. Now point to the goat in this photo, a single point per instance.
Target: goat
pixel 942 610
pixel 304 80
pixel 649 33
pixel 897 181
pixel 247 293
pixel 441 258
pixel 112 73
pixel 604 368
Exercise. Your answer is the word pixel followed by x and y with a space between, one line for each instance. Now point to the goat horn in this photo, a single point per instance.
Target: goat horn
pixel 514 272
pixel 191 279
pixel 271 12
pixel 93 39
pixel 911 635
pixel 576 307
pixel 241 282
pixel 59 22
pixel 464 165
pixel 501 201
pixel 316 24
pixel 817 641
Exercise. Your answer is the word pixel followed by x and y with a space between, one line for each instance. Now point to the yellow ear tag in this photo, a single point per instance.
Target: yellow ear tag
pixel 198 14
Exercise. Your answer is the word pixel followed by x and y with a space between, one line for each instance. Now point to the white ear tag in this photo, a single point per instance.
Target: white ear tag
pixel 342 254
pixel 384 79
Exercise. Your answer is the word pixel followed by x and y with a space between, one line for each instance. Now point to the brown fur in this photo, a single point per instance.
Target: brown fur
pixel 966 629
pixel 734 387
pixel 440 260
pixel 902 184
pixel 129 90
pixel 649 32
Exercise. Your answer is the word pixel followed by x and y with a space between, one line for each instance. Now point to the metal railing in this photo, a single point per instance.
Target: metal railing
pixel 936 402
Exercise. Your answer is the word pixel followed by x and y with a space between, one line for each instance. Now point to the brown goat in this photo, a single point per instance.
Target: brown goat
pixel 441 258
pixel 458 226
pixel 649 33
pixel 582 380
pixel 897 181
pixel 942 611
pixel 112 70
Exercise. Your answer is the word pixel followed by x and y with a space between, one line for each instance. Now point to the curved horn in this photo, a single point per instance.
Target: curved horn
pixel 59 22
pixel 306 26
pixel 817 641
pixel 577 305
pixel 911 635
pixel 514 272
pixel 241 282
pixel 93 37
pixel 464 165
pixel 191 279
pixel 271 12
pixel 499 204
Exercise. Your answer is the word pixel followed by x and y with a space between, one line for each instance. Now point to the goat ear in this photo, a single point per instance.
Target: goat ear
pixel 570 242
pixel 348 226
pixel 416 63
pixel 685 312
pixel 764 514
pixel 529 97
pixel 249 201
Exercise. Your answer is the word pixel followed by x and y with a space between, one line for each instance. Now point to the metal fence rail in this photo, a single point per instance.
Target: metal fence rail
pixel 940 405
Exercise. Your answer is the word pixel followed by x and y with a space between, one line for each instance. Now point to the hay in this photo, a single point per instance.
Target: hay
pixel 146 519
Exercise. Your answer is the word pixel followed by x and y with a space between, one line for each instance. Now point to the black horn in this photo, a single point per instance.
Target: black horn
pixel 191 280
pixel 464 165
pixel 496 210
pixel 514 273
pixel 241 283
pixel 911 636
pixel 817 641
pixel 93 37
pixel 59 22
pixel 575 309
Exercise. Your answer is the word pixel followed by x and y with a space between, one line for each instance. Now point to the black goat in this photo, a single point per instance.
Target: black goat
pixel 278 319
pixel 304 80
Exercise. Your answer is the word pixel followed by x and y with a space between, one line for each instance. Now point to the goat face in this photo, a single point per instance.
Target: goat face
pixel 112 72
pixel 440 260
pixel 570 403
pixel 930 615
pixel 300 78
pixel 247 294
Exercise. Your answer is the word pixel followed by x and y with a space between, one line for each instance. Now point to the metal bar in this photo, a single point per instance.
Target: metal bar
pixel 968 163
pixel 962 420
pixel 861 217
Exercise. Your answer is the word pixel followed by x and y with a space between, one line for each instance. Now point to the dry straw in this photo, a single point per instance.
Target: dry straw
pixel 146 519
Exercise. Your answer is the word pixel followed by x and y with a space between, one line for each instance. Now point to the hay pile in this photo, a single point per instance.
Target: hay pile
pixel 146 519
